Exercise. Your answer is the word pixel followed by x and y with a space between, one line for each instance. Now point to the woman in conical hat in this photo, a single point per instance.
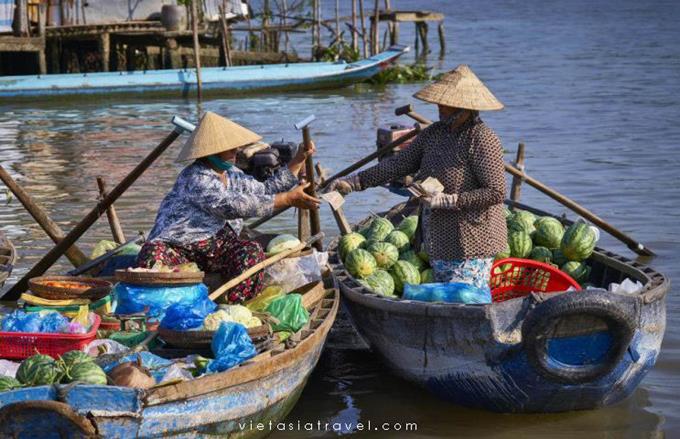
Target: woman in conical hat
pixel 463 227
pixel 201 218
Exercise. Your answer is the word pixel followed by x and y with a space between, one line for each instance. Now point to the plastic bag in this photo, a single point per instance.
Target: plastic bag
pixel 104 346
pixel 8 368
pixel 180 317
pixel 292 273
pixel 176 372
pixel 290 313
pixel 262 300
pixel 625 287
pixel 134 299
pixel 158 366
pixel 231 345
pixel 55 322
pixel 455 292
pixel 19 321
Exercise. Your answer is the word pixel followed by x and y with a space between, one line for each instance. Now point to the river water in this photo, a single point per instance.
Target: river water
pixel 592 88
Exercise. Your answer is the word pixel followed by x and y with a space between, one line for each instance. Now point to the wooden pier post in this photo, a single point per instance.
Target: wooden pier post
pixel 225 34
pixel 197 48
pixel 104 41
pixel 355 39
pixel 375 29
pixel 363 28
pixel 516 188
pixel 442 40
pixel 337 21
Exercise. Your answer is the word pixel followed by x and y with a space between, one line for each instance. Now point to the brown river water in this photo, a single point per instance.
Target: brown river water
pixel 592 88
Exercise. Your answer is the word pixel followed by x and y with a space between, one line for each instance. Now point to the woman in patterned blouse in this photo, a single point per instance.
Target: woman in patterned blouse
pixel 463 227
pixel 202 216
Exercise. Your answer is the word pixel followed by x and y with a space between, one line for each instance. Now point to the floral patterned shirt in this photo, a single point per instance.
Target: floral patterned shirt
pixel 201 202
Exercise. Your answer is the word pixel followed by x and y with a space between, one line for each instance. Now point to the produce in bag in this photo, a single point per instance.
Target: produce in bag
pixel 231 345
pixel 290 313
pixel 262 300
pixel 360 263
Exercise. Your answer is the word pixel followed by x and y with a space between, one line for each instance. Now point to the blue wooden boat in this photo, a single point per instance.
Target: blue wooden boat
pixel 182 83
pixel 538 353
pixel 233 403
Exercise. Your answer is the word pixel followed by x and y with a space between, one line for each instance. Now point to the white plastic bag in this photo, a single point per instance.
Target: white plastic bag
pixel 626 287
pixel 176 371
pixel 292 273
pixel 109 347
pixel 8 368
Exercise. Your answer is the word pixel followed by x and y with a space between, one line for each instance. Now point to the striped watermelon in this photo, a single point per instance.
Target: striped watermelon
pixel 398 239
pixel 541 254
pixel 379 229
pixel 39 370
pixel 579 271
pixel 360 263
pixel 348 243
pixel 414 259
pixel 578 242
pixel 520 244
pixel 504 254
pixel 549 232
pixel 86 372
pixel 559 258
pixel 404 272
pixel 408 226
pixel 521 221
pixel 385 254
pixel 381 282
pixel 8 383
pixel 427 276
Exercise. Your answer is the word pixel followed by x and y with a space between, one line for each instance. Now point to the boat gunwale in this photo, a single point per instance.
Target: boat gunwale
pixel 655 289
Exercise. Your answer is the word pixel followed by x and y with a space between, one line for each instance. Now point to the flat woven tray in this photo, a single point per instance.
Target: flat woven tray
pixel 202 339
pixel 96 288
pixel 155 278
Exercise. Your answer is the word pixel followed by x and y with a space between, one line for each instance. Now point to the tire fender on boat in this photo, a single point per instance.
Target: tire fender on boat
pixel 619 312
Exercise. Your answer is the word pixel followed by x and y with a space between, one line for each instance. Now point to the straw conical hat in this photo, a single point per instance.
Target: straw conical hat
pixel 460 88
pixel 213 135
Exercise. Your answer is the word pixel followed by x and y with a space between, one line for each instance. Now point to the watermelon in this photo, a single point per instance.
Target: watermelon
pixel 579 271
pixel 282 243
pixel 381 282
pixel 559 258
pixel 385 254
pixel 404 272
pixel 507 212
pixel 71 358
pixel 86 372
pixel 39 370
pixel 398 239
pixel 521 221
pixel 427 276
pixel 8 383
pixel 424 256
pixel 504 254
pixel 348 243
pixel 541 254
pixel 360 263
pixel 520 244
pixel 408 226
pixel 578 242
pixel 412 257
pixel 549 232
pixel 379 229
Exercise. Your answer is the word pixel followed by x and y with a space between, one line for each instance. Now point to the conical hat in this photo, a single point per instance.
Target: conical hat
pixel 460 88
pixel 213 135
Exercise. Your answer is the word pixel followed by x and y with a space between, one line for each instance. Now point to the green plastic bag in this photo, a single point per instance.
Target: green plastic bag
pixel 290 313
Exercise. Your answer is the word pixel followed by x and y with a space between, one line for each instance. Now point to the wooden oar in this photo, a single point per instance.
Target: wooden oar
pixel 53 255
pixel 111 214
pixel 348 170
pixel 262 265
pixel 73 253
pixel 632 244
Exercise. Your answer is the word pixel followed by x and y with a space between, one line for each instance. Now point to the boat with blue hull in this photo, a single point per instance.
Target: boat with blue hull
pixel 240 402
pixel 543 352
pixel 220 80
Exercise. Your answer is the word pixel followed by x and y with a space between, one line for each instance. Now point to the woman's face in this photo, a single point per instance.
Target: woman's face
pixel 229 156
pixel 445 112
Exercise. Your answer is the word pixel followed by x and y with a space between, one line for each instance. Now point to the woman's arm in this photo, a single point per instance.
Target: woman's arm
pixel 486 161
pixel 282 180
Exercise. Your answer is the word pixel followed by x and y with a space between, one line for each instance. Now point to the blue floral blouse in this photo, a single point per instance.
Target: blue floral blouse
pixel 200 203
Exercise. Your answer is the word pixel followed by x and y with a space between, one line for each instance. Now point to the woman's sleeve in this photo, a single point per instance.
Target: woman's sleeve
pixel 486 161
pixel 404 163
pixel 239 198
pixel 283 180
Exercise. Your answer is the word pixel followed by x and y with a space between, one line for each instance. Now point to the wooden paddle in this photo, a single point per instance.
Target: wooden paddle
pixel 632 244
pixel 262 265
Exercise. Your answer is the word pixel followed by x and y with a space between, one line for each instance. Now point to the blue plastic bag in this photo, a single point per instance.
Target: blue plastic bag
pixel 231 345
pixel 455 292
pixel 135 298
pixel 181 317
pixel 54 322
pixel 20 321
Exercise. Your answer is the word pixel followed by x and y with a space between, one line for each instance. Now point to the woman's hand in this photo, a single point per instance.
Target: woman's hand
pixel 297 163
pixel 440 201
pixel 297 198
pixel 345 185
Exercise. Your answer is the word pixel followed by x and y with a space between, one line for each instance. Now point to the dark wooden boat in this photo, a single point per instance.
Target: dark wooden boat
pixel 537 353
pixel 8 257
pixel 230 404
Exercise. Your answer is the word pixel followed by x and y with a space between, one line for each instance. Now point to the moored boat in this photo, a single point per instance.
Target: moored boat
pixel 8 257
pixel 546 352
pixel 182 83
pixel 230 403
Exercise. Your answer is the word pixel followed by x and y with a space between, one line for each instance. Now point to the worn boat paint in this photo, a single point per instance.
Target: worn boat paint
pixel 474 355
pixel 210 405
pixel 182 83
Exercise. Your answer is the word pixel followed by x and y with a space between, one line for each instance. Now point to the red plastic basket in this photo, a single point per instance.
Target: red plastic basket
pixel 514 277
pixel 21 345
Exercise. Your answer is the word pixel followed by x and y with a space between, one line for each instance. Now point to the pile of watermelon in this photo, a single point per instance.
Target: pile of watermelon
pixel 42 370
pixel 380 256
pixel 545 239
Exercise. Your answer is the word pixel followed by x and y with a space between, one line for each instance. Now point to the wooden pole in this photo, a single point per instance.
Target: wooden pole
pixel 284 23
pixel 262 265
pixel 375 34
pixel 264 39
pixel 20 22
pixel 348 170
pixel 225 34
pixel 197 48
pixel 111 214
pixel 516 189
pixel 355 39
pixel 53 255
pixel 363 28
pixel 442 40
pixel 337 21
pixel 314 220
pixel 73 253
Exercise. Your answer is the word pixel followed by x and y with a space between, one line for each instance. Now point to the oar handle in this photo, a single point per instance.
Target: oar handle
pixel 262 265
